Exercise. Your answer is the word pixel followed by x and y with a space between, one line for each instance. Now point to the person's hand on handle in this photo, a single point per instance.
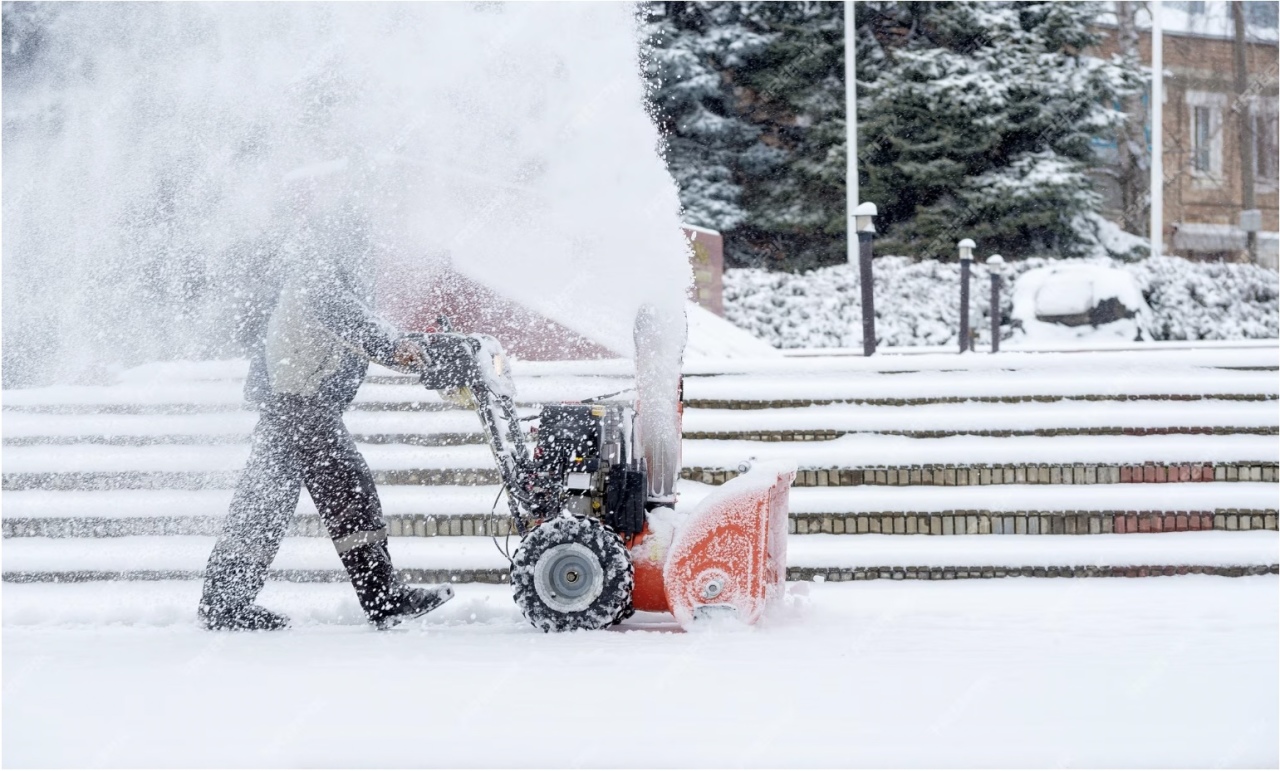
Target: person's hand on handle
pixel 411 355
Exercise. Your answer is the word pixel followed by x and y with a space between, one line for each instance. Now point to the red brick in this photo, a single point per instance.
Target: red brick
pixel 1148 473
pixel 1182 570
pixel 1132 524
pixel 1162 474
pixel 1126 474
pixel 1143 572
pixel 1184 473
pixel 1206 521
pixel 1131 573
pixel 1180 522
pixel 1206 474
pixel 1117 525
pixel 1195 473
pixel 1144 524
pixel 1170 523
pixel 1157 524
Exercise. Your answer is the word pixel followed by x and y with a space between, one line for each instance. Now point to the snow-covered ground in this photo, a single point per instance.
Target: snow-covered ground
pixel 1173 672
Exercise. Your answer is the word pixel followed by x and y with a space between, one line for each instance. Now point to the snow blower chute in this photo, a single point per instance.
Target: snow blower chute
pixel 591 492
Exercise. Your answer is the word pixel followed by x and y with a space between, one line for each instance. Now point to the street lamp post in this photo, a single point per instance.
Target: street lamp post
pixel 995 263
pixel 966 259
pixel 863 216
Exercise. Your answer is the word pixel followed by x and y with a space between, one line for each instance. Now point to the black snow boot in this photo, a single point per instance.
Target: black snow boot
pixel 384 599
pixel 249 618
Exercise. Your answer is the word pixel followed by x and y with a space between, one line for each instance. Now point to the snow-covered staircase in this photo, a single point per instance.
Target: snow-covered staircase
pixel 130 480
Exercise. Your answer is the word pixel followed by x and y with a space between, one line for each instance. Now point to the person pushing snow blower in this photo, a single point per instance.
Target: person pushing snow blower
pixel 308 363
pixel 591 488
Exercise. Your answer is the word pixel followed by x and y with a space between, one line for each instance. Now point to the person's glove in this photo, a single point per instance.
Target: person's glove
pixel 410 355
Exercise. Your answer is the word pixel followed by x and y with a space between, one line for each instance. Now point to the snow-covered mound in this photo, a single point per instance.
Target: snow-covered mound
pixel 1080 302
pixel 712 337
pixel 917 302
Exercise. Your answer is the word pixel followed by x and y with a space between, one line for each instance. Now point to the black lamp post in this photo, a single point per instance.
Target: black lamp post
pixel 995 263
pixel 966 260
pixel 862 215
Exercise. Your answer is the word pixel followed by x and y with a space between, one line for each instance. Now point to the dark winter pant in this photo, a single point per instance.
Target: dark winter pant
pixel 296 442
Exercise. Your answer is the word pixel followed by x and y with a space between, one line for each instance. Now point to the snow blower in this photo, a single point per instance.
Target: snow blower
pixel 591 491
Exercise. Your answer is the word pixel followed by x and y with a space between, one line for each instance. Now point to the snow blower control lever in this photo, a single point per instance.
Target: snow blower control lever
pixel 599 539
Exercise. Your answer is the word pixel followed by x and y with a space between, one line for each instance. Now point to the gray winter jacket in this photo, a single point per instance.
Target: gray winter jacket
pixel 318 343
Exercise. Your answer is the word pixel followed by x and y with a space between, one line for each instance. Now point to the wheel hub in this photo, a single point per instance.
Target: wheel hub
pixel 568 577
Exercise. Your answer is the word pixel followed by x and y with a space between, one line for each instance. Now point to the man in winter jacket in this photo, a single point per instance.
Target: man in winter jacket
pixel 309 361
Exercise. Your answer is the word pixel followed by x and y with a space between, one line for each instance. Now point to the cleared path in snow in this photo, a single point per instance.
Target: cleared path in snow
pixel 1179 672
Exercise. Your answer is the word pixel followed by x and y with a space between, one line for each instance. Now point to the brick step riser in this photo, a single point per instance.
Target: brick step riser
pixel 828 435
pixel 201 409
pixel 1031 523
pixel 770 404
pixel 710 404
pixel 205 440
pixel 831 574
pixel 949 573
pixel 903 523
pixel 460 439
pixel 1013 474
pixel 220 480
pixel 949 476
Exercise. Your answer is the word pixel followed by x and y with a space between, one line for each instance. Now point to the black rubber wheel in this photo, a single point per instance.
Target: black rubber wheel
pixel 572 573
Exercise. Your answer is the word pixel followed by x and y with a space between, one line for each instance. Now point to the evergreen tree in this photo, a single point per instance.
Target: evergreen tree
pixel 689 51
pixel 794 90
pixel 977 120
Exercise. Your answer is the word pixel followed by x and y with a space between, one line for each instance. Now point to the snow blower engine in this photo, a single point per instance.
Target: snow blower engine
pixel 593 502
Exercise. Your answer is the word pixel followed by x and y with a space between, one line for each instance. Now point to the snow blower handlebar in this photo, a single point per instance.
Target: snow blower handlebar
pixel 472 371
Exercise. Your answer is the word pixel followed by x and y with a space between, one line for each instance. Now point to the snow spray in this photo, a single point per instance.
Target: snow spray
pixel 147 148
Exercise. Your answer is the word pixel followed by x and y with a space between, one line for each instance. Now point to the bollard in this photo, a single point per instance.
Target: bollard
pixel 994 263
pixel 966 258
pixel 863 215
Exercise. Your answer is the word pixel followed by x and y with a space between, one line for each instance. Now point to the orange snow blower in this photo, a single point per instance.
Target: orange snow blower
pixel 593 498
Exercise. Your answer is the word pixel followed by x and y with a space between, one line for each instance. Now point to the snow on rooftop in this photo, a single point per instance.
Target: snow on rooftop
pixel 1204 18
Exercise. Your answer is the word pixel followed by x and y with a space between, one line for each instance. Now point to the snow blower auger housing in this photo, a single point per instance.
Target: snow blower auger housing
pixel 599 539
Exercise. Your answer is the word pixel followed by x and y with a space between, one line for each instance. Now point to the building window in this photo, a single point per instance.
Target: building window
pixel 1266 135
pixel 1201 136
pixel 1204 135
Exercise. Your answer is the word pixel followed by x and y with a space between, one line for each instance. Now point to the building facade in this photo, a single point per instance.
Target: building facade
pixel 1203 106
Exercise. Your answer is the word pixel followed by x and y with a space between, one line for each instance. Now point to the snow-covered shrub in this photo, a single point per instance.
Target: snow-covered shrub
pixel 917 302
pixel 1209 300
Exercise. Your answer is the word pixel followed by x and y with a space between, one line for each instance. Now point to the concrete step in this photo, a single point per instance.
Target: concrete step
pixel 891 401
pixel 831 574
pixel 834 476
pixel 179 407
pixel 822 435
pixel 476 559
pixel 951 522
pixel 793 435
